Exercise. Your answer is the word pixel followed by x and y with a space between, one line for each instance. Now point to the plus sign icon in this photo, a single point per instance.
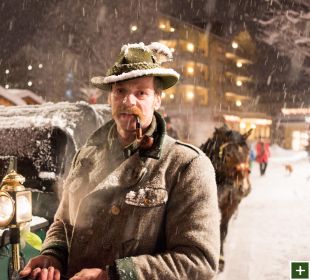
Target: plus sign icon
pixel 299 270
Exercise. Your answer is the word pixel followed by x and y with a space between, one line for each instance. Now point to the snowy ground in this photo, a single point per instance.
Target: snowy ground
pixel 272 226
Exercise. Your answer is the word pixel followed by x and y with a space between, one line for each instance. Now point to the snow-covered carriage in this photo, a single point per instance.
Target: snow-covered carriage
pixel 44 139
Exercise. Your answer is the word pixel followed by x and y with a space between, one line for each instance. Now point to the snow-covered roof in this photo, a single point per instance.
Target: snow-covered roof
pixel 16 96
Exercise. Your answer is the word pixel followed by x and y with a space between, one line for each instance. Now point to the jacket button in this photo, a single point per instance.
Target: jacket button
pixel 115 210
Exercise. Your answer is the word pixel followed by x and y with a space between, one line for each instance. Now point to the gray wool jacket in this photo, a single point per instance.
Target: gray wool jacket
pixel 153 216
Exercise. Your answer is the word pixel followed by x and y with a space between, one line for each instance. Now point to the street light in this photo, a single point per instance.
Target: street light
pixel 15 210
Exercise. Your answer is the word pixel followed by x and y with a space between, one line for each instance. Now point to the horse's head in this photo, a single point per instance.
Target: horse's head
pixel 233 151
pixel 229 154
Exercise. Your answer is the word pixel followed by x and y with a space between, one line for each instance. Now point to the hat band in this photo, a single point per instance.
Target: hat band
pixel 118 69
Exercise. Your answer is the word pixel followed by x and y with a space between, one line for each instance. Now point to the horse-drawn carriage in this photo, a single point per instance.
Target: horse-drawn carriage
pixel 42 140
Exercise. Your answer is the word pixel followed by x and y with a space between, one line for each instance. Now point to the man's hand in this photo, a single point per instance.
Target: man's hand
pixel 91 274
pixel 43 268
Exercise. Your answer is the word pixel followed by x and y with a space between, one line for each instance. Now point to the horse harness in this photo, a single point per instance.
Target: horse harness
pixel 242 167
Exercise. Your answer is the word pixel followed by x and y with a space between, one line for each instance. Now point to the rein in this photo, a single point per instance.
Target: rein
pixel 242 166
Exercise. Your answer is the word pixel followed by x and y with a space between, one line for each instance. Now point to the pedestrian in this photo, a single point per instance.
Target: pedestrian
pixel 252 157
pixel 136 204
pixel 171 131
pixel 262 155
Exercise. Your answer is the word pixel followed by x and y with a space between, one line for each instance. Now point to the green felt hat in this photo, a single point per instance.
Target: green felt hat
pixel 139 60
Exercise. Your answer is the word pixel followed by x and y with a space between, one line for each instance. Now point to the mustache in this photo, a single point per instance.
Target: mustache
pixel 131 110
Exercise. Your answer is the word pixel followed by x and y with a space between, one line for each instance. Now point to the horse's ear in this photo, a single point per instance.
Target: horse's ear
pixel 247 134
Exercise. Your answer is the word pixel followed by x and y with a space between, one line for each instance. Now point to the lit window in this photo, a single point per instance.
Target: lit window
pixel 190 47
pixel 134 28
pixel 190 70
pixel 242 125
pixel 189 95
pixel 234 45
pixel 239 83
pixel 238 103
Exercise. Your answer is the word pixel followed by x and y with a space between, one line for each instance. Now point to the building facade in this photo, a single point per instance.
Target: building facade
pixel 216 83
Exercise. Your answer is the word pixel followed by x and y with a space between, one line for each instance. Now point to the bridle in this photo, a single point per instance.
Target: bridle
pixel 242 166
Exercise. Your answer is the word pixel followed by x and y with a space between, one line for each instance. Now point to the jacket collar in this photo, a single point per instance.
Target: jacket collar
pixel 100 138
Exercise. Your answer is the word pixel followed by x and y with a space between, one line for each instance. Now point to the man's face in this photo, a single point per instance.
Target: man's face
pixel 133 98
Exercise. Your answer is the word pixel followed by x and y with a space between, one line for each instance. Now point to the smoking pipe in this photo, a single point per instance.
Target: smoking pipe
pixel 145 141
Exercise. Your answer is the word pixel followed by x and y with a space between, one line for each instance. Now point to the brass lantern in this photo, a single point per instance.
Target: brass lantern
pixel 15 210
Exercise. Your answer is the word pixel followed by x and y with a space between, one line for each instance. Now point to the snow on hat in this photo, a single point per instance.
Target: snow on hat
pixel 139 60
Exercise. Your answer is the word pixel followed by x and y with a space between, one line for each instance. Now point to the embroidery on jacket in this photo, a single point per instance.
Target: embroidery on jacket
pixel 147 197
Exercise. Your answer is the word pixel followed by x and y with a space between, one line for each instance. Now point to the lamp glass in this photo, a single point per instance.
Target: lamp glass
pixel 23 207
pixel 6 209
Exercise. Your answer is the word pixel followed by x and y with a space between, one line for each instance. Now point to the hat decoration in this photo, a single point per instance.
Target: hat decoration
pixel 138 60
pixel 161 52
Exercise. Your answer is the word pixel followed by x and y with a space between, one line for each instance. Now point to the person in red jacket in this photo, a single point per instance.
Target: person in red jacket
pixel 262 155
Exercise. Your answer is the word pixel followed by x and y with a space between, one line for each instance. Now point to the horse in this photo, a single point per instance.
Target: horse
pixel 229 154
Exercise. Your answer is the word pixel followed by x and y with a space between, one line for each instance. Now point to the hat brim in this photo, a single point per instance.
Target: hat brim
pixel 169 77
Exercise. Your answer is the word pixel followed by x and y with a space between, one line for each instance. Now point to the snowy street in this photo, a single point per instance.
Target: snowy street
pixel 272 226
